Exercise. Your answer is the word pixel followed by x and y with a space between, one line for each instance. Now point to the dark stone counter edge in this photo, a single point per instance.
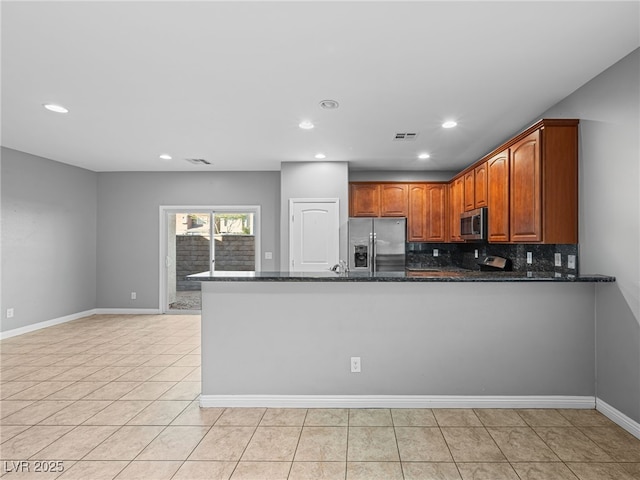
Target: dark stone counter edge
pixel 394 277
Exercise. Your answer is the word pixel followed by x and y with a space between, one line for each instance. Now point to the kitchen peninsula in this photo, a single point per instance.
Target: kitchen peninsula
pixel 433 336
pixel 461 339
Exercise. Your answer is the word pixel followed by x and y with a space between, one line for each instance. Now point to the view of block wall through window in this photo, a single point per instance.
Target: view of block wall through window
pixel 233 249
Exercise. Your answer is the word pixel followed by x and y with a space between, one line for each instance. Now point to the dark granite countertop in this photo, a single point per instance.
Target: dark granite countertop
pixel 430 275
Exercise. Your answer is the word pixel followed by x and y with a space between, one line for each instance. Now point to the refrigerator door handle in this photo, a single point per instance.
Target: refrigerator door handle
pixel 370 252
pixel 375 254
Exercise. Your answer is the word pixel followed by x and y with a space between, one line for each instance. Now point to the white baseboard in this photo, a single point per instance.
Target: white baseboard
pixel 47 323
pixel 618 417
pixel 395 401
pixel 128 311
pixel 75 316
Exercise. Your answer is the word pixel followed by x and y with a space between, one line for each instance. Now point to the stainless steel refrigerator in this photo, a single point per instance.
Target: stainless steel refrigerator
pixel 377 244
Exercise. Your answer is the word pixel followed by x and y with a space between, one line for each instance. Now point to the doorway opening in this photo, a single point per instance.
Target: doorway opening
pixel 199 239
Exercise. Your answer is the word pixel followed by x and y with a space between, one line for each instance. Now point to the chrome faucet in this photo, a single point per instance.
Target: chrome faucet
pixel 340 267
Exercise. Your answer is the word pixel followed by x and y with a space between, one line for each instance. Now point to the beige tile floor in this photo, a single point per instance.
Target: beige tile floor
pixel 116 397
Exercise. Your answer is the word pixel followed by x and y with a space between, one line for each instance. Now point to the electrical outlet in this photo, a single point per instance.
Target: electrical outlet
pixel 355 365
pixel 558 259
pixel 268 255
pixel 529 258
pixel 476 253
pixel 9 312
pixel 133 295
pixel 571 261
pixel 435 252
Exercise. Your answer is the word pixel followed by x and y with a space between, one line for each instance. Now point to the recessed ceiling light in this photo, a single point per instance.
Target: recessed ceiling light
pixel 55 108
pixel 306 125
pixel 329 104
pixel 449 124
pixel 423 156
pixel 165 156
pixel 320 156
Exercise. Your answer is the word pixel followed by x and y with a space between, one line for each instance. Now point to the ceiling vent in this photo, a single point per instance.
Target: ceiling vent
pixel 198 161
pixel 329 104
pixel 405 136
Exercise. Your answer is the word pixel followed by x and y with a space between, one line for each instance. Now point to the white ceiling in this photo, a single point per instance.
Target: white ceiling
pixel 230 81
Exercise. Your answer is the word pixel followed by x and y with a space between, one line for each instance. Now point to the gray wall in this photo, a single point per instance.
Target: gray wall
pixel 431 338
pixel 608 109
pixel 313 180
pixel 128 224
pixel 48 239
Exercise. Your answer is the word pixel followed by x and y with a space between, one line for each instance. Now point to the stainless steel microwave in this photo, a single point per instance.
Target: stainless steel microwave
pixel 473 224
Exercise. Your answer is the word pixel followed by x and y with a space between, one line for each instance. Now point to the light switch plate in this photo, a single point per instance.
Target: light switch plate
pixel 268 255
pixel 529 258
pixel 435 252
pixel 571 261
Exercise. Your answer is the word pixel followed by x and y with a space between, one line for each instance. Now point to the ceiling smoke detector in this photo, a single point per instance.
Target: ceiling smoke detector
pixel 198 161
pixel 405 136
pixel 329 104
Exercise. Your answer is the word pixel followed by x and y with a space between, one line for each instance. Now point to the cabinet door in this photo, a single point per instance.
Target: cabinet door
pixel 364 200
pixel 436 213
pixel 469 191
pixel 417 218
pixel 525 191
pixel 481 185
pixel 456 207
pixel 498 197
pixel 394 199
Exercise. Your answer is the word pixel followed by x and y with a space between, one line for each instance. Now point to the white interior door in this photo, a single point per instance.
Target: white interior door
pixel 314 240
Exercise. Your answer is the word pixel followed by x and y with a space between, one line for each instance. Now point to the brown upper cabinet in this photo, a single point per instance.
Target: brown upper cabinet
pixel 533 186
pixel 456 207
pixel 394 200
pixel 525 219
pixel 427 212
pixel 498 197
pixel 543 183
pixel 469 190
pixel 371 199
pixel 416 221
pixel 364 200
pixel 475 187
pixel 480 185
pixel 436 213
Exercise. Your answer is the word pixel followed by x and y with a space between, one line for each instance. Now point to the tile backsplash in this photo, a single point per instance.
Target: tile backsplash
pixel 421 255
